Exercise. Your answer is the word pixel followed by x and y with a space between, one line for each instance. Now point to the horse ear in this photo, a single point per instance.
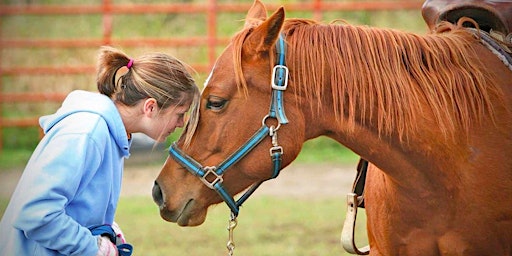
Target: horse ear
pixel 256 14
pixel 264 36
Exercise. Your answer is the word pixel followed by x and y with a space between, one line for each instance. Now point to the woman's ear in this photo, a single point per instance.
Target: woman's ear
pixel 150 107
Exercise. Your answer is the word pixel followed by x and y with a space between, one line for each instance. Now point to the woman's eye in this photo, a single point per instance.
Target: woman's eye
pixel 215 103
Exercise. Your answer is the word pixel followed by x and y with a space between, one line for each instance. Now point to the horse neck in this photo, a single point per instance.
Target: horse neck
pixel 372 106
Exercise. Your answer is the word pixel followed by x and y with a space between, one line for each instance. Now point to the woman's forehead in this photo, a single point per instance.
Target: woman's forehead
pixel 179 108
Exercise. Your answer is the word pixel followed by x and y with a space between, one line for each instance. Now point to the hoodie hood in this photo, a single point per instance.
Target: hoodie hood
pixel 84 101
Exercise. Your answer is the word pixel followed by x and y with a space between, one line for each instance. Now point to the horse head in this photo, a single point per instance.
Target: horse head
pixel 234 108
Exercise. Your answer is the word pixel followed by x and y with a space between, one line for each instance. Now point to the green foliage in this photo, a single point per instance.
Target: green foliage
pixel 3 205
pixel 14 158
pixel 18 145
pixel 325 150
pixel 21 138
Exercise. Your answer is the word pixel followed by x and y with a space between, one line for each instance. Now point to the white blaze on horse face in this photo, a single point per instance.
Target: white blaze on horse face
pixel 209 76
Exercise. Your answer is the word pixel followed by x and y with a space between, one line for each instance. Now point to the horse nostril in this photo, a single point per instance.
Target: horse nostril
pixel 157 194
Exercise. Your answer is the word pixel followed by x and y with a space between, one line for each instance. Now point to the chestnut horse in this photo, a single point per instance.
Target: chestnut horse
pixel 431 113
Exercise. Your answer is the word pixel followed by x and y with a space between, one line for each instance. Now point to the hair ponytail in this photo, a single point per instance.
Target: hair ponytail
pixel 110 60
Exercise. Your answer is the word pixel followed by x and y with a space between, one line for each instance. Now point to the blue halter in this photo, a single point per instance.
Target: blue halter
pixel 212 176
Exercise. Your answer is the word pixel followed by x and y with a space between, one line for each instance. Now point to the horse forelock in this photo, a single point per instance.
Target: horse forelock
pixel 237 42
pixel 388 75
pixel 237 46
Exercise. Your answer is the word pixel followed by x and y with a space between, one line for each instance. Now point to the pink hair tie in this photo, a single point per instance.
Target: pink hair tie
pixel 130 64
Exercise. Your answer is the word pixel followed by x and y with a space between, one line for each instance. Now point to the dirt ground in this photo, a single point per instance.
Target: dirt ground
pixel 297 180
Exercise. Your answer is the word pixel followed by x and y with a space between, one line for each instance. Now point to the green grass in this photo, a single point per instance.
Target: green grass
pixel 266 226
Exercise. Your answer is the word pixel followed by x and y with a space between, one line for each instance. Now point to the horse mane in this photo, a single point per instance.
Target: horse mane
pixel 390 76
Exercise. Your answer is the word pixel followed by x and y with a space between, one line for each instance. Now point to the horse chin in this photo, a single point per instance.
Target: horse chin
pixel 188 216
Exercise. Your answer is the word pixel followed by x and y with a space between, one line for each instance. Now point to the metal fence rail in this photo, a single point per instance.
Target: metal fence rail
pixel 107 9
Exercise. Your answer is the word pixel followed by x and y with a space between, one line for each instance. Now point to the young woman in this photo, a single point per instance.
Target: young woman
pixel 72 182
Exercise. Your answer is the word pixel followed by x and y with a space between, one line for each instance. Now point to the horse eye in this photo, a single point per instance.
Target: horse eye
pixel 216 103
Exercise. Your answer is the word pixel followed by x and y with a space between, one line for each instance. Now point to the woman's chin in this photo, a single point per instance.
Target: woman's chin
pixel 161 138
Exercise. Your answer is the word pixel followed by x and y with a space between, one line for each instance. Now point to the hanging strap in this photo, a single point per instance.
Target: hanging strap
pixel 355 200
pixel 347 233
pixel 360 181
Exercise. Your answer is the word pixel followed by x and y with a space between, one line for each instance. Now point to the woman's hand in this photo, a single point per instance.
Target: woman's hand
pixel 106 248
pixel 119 234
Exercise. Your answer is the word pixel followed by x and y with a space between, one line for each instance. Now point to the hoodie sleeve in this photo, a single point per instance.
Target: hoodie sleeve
pixel 52 181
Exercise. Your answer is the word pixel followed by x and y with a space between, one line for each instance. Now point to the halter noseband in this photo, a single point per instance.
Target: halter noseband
pixel 212 176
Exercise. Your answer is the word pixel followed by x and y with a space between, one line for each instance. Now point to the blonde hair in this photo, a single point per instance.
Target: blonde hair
pixel 153 75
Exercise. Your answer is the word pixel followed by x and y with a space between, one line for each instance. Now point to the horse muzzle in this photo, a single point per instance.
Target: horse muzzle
pixel 184 214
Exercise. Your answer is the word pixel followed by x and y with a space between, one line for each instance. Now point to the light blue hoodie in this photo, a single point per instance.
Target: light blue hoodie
pixel 71 182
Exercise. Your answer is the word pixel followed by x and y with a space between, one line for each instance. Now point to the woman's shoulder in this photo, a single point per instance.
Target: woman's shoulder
pixel 87 124
pixel 83 112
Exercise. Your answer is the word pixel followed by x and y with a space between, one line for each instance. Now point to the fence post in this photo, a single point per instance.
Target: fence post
pixel 107 22
pixel 317 11
pixel 212 32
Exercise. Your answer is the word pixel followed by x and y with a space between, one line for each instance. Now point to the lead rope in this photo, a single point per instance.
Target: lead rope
pixel 231 228
pixel 275 151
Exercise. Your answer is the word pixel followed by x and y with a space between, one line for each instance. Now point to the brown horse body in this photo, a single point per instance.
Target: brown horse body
pixel 433 114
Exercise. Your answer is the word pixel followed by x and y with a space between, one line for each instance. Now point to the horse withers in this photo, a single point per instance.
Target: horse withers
pixel 431 113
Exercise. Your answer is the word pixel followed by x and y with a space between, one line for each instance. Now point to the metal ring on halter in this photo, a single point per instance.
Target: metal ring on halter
pixel 264 124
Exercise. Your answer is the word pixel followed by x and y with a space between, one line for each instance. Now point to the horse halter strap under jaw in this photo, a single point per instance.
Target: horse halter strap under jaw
pixel 212 176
